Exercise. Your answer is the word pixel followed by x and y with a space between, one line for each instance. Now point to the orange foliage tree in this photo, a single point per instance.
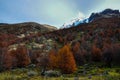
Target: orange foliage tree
pixel 53 59
pixel 66 60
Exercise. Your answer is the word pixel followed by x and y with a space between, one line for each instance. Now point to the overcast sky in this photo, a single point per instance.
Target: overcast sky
pixel 52 12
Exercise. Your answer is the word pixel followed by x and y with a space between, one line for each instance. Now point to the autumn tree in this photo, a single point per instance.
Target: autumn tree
pixel 2 54
pixel 14 58
pixel 44 63
pixel 111 54
pixel 34 56
pixel 22 55
pixel 107 55
pixel 53 59
pixel 116 54
pixel 78 53
pixel 3 44
pixel 66 60
pixel 7 60
pixel 96 54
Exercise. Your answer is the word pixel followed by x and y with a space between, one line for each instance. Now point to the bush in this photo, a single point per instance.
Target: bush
pixel 32 73
pixel 31 66
pixel 52 73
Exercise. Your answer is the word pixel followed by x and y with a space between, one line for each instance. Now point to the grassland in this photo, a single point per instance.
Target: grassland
pixel 83 73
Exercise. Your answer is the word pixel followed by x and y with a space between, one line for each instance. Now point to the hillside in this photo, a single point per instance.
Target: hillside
pixel 102 35
pixel 25 28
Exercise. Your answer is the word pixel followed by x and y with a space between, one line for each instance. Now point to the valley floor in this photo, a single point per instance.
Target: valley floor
pixel 92 73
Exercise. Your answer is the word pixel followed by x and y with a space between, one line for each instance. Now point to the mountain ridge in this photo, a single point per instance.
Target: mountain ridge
pixel 107 13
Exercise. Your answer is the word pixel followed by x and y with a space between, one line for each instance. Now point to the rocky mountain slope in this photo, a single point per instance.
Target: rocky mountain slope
pixel 100 32
pixel 107 13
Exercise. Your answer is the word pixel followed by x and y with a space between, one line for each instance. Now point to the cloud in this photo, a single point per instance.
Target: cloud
pixel 55 11
pixel 81 15
pixel 113 4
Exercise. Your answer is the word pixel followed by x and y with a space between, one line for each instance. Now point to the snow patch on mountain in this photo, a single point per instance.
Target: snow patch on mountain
pixel 107 13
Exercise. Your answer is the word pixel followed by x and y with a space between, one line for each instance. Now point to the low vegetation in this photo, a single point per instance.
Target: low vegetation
pixel 83 73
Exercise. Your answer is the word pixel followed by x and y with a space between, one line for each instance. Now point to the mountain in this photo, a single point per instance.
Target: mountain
pixel 3 24
pixel 74 22
pixel 25 28
pixel 107 13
